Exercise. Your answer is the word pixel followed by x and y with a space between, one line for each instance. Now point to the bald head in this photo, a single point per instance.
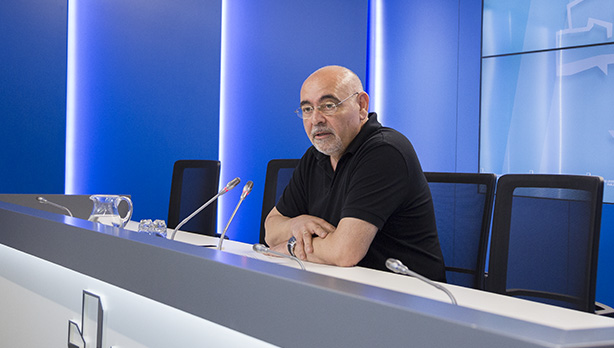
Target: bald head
pixel 344 80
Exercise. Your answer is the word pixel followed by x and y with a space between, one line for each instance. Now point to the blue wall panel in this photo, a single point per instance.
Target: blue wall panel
pixel 468 88
pixel 429 94
pixel 32 95
pixel 271 47
pixel 146 94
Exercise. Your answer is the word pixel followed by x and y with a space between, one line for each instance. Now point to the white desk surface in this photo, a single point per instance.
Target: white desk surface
pixel 552 316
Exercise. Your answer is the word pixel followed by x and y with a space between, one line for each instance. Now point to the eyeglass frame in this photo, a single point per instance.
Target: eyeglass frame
pixel 299 110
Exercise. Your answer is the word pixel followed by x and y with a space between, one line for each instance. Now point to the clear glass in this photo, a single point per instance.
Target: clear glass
pixel 155 228
pixel 105 210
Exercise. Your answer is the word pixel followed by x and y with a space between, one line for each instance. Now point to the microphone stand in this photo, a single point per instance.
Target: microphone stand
pixel 234 182
pixel 42 200
pixel 246 190
pixel 262 249
pixel 398 267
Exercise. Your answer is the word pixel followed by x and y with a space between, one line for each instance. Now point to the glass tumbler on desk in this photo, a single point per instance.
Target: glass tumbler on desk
pixel 154 228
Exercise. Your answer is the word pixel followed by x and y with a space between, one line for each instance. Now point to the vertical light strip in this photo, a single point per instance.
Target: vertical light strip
pixel 222 120
pixel 560 91
pixel 377 59
pixel 560 149
pixel 71 91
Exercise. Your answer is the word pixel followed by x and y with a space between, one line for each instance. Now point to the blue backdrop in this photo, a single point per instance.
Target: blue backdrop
pixel 157 81
pixel 32 96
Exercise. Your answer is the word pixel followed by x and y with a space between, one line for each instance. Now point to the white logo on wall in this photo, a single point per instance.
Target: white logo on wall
pixel 600 61
pixel 90 334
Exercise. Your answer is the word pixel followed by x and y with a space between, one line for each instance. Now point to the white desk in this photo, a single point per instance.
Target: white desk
pixel 529 311
pixel 194 296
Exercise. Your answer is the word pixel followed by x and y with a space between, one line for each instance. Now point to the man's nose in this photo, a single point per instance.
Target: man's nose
pixel 317 117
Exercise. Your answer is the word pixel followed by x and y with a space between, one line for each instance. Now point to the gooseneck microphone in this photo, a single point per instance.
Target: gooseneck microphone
pixel 234 182
pixel 263 249
pixel 42 200
pixel 246 190
pixel 398 267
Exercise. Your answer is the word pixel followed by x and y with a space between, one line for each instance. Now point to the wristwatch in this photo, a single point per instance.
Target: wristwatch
pixel 291 244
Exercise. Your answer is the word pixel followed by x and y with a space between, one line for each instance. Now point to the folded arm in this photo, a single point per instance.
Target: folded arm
pixel 318 241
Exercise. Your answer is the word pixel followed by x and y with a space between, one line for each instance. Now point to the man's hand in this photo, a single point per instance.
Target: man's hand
pixel 319 241
pixel 304 228
pixel 280 228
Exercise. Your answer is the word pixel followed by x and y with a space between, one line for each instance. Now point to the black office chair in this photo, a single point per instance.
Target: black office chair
pixel 194 182
pixel 463 208
pixel 278 175
pixel 545 238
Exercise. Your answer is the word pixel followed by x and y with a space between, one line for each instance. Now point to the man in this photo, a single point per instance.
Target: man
pixel 358 196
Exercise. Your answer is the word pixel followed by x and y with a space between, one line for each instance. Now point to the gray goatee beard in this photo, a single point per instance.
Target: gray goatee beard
pixel 328 147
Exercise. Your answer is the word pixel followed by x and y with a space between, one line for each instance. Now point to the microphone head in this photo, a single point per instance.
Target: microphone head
pixel 394 265
pixel 232 183
pixel 247 189
pixel 260 248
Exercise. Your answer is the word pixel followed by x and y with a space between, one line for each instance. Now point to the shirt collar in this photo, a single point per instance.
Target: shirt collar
pixel 365 132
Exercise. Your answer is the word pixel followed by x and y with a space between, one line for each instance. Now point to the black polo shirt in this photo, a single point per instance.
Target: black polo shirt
pixel 379 180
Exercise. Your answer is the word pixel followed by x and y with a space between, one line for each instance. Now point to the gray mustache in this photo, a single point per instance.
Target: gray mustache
pixel 317 130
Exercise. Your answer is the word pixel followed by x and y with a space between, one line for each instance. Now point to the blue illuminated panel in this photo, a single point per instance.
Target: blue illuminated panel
pixel 32 95
pixel 424 77
pixel 531 25
pixel 548 111
pixel 143 92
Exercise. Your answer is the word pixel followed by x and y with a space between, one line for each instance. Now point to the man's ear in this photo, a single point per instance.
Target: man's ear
pixel 363 101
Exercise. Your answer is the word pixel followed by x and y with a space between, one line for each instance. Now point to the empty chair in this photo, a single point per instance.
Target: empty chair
pixel 278 174
pixel 463 208
pixel 545 238
pixel 194 182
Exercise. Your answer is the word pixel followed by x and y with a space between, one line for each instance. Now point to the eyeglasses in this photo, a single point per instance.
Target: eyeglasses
pixel 328 108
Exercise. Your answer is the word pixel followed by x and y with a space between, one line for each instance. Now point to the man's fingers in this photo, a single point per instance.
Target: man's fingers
pixel 304 228
pixel 299 248
pixel 306 235
pixel 323 229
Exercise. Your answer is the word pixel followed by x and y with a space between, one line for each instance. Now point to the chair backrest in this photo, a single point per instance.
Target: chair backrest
pixel 194 182
pixel 278 174
pixel 545 238
pixel 463 209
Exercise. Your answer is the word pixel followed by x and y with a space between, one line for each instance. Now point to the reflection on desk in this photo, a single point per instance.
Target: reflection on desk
pixel 543 314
